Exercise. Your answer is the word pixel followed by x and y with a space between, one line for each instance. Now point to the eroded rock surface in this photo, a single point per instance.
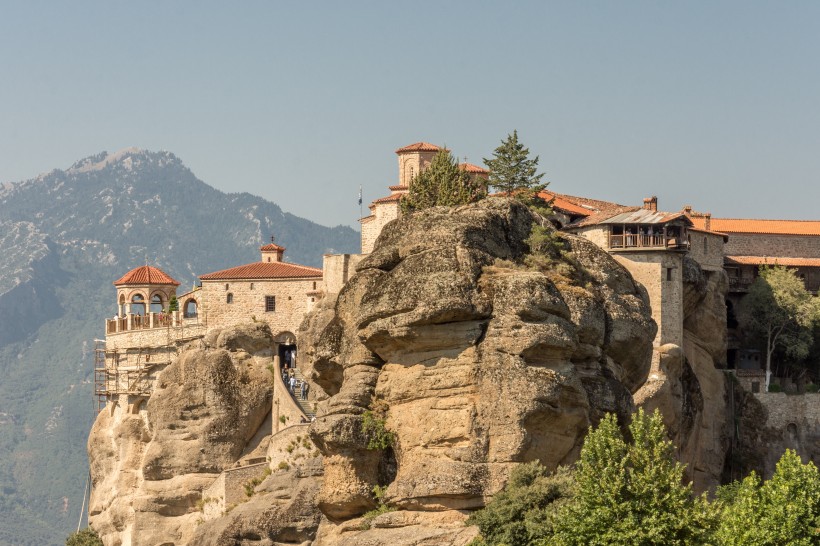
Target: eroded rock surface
pixel 151 460
pixel 475 361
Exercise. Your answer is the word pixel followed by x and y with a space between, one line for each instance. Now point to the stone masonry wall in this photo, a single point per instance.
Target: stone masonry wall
pixel 706 249
pixel 292 302
pixel 597 234
pixel 650 269
pixel 784 409
pixel 229 489
pixel 749 244
pixel 372 227
pixel 337 269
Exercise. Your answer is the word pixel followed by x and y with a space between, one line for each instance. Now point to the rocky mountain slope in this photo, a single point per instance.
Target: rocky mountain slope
pixel 64 237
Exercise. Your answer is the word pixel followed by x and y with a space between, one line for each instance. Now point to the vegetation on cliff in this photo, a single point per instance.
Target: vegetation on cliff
pixel 633 493
pixel 443 183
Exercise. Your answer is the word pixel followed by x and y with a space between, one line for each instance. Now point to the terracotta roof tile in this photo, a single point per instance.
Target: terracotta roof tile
pixel 270 247
pixel 146 274
pixel 399 187
pixel 724 235
pixel 418 147
pixel 389 199
pixel 769 227
pixel 470 168
pixel 773 260
pixel 561 203
pixel 264 270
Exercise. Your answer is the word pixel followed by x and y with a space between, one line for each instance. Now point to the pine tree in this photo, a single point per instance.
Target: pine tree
pixel 512 171
pixel 443 183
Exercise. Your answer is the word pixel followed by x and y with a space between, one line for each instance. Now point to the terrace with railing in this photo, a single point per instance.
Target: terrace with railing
pixel 149 321
pixel 648 240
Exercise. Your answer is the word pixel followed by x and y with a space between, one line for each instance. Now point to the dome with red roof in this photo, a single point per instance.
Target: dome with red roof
pixel 146 274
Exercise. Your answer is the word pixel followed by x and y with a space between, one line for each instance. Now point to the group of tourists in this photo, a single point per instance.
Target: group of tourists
pixel 296 387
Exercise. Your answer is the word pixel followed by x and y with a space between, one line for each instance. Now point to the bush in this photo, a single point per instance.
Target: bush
pixel 523 512
pixel 378 437
pixel 86 537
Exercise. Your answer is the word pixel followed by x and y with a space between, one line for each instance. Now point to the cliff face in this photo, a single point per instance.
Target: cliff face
pixel 475 362
pixel 150 461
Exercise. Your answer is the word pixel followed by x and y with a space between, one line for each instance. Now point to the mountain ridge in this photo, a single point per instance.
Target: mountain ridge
pixel 65 235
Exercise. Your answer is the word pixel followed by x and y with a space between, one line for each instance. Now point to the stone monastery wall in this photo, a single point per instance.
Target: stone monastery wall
pixel 661 273
pixel 707 250
pixel 785 409
pixel 383 213
pixel 748 244
pixel 248 300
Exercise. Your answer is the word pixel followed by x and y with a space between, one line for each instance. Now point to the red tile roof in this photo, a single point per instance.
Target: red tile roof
pixel 400 187
pixel 470 168
pixel 773 260
pixel 561 203
pixel 419 147
pixel 769 227
pixel 264 270
pixel 271 247
pixel 724 235
pixel 146 274
pixel 390 198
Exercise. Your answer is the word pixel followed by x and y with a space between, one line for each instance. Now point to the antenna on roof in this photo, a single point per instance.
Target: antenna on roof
pixel 272 238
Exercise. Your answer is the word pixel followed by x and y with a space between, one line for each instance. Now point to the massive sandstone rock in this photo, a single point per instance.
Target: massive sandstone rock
pixel 150 461
pixel 476 362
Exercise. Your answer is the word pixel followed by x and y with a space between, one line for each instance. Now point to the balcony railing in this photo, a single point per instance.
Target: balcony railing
pixel 130 322
pixel 636 240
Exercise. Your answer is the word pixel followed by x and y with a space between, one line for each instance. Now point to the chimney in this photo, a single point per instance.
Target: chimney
pixel 650 203
pixel 708 223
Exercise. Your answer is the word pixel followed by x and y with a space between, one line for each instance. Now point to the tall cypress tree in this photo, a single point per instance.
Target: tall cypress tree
pixel 512 170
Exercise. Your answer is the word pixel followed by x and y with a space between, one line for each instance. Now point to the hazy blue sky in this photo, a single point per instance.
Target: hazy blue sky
pixel 713 104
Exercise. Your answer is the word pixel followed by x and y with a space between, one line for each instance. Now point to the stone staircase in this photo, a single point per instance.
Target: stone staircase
pixel 307 406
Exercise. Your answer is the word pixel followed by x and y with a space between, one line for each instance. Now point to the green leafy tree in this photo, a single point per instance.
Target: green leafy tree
pixel 783 511
pixel 632 493
pixel 780 313
pixel 511 169
pixel 85 537
pixel 523 512
pixel 443 183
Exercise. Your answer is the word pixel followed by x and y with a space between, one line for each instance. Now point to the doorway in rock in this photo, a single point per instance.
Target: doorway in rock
pixel 287 355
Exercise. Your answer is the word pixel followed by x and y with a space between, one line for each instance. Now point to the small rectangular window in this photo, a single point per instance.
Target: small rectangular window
pixel 270 304
pixel 668 273
pixel 755 386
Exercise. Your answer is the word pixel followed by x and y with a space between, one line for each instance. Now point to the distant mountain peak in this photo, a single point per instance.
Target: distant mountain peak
pixel 103 159
pixel 124 158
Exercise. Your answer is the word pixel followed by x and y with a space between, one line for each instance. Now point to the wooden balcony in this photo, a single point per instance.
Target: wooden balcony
pixel 655 241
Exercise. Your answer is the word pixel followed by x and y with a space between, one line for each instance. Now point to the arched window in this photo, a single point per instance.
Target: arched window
pixel 190 309
pixel 137 304
pixel 156 303
pixel 227 286
pixel 229 299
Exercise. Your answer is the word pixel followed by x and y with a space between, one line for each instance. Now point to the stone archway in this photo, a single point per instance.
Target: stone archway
pixel 285 347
